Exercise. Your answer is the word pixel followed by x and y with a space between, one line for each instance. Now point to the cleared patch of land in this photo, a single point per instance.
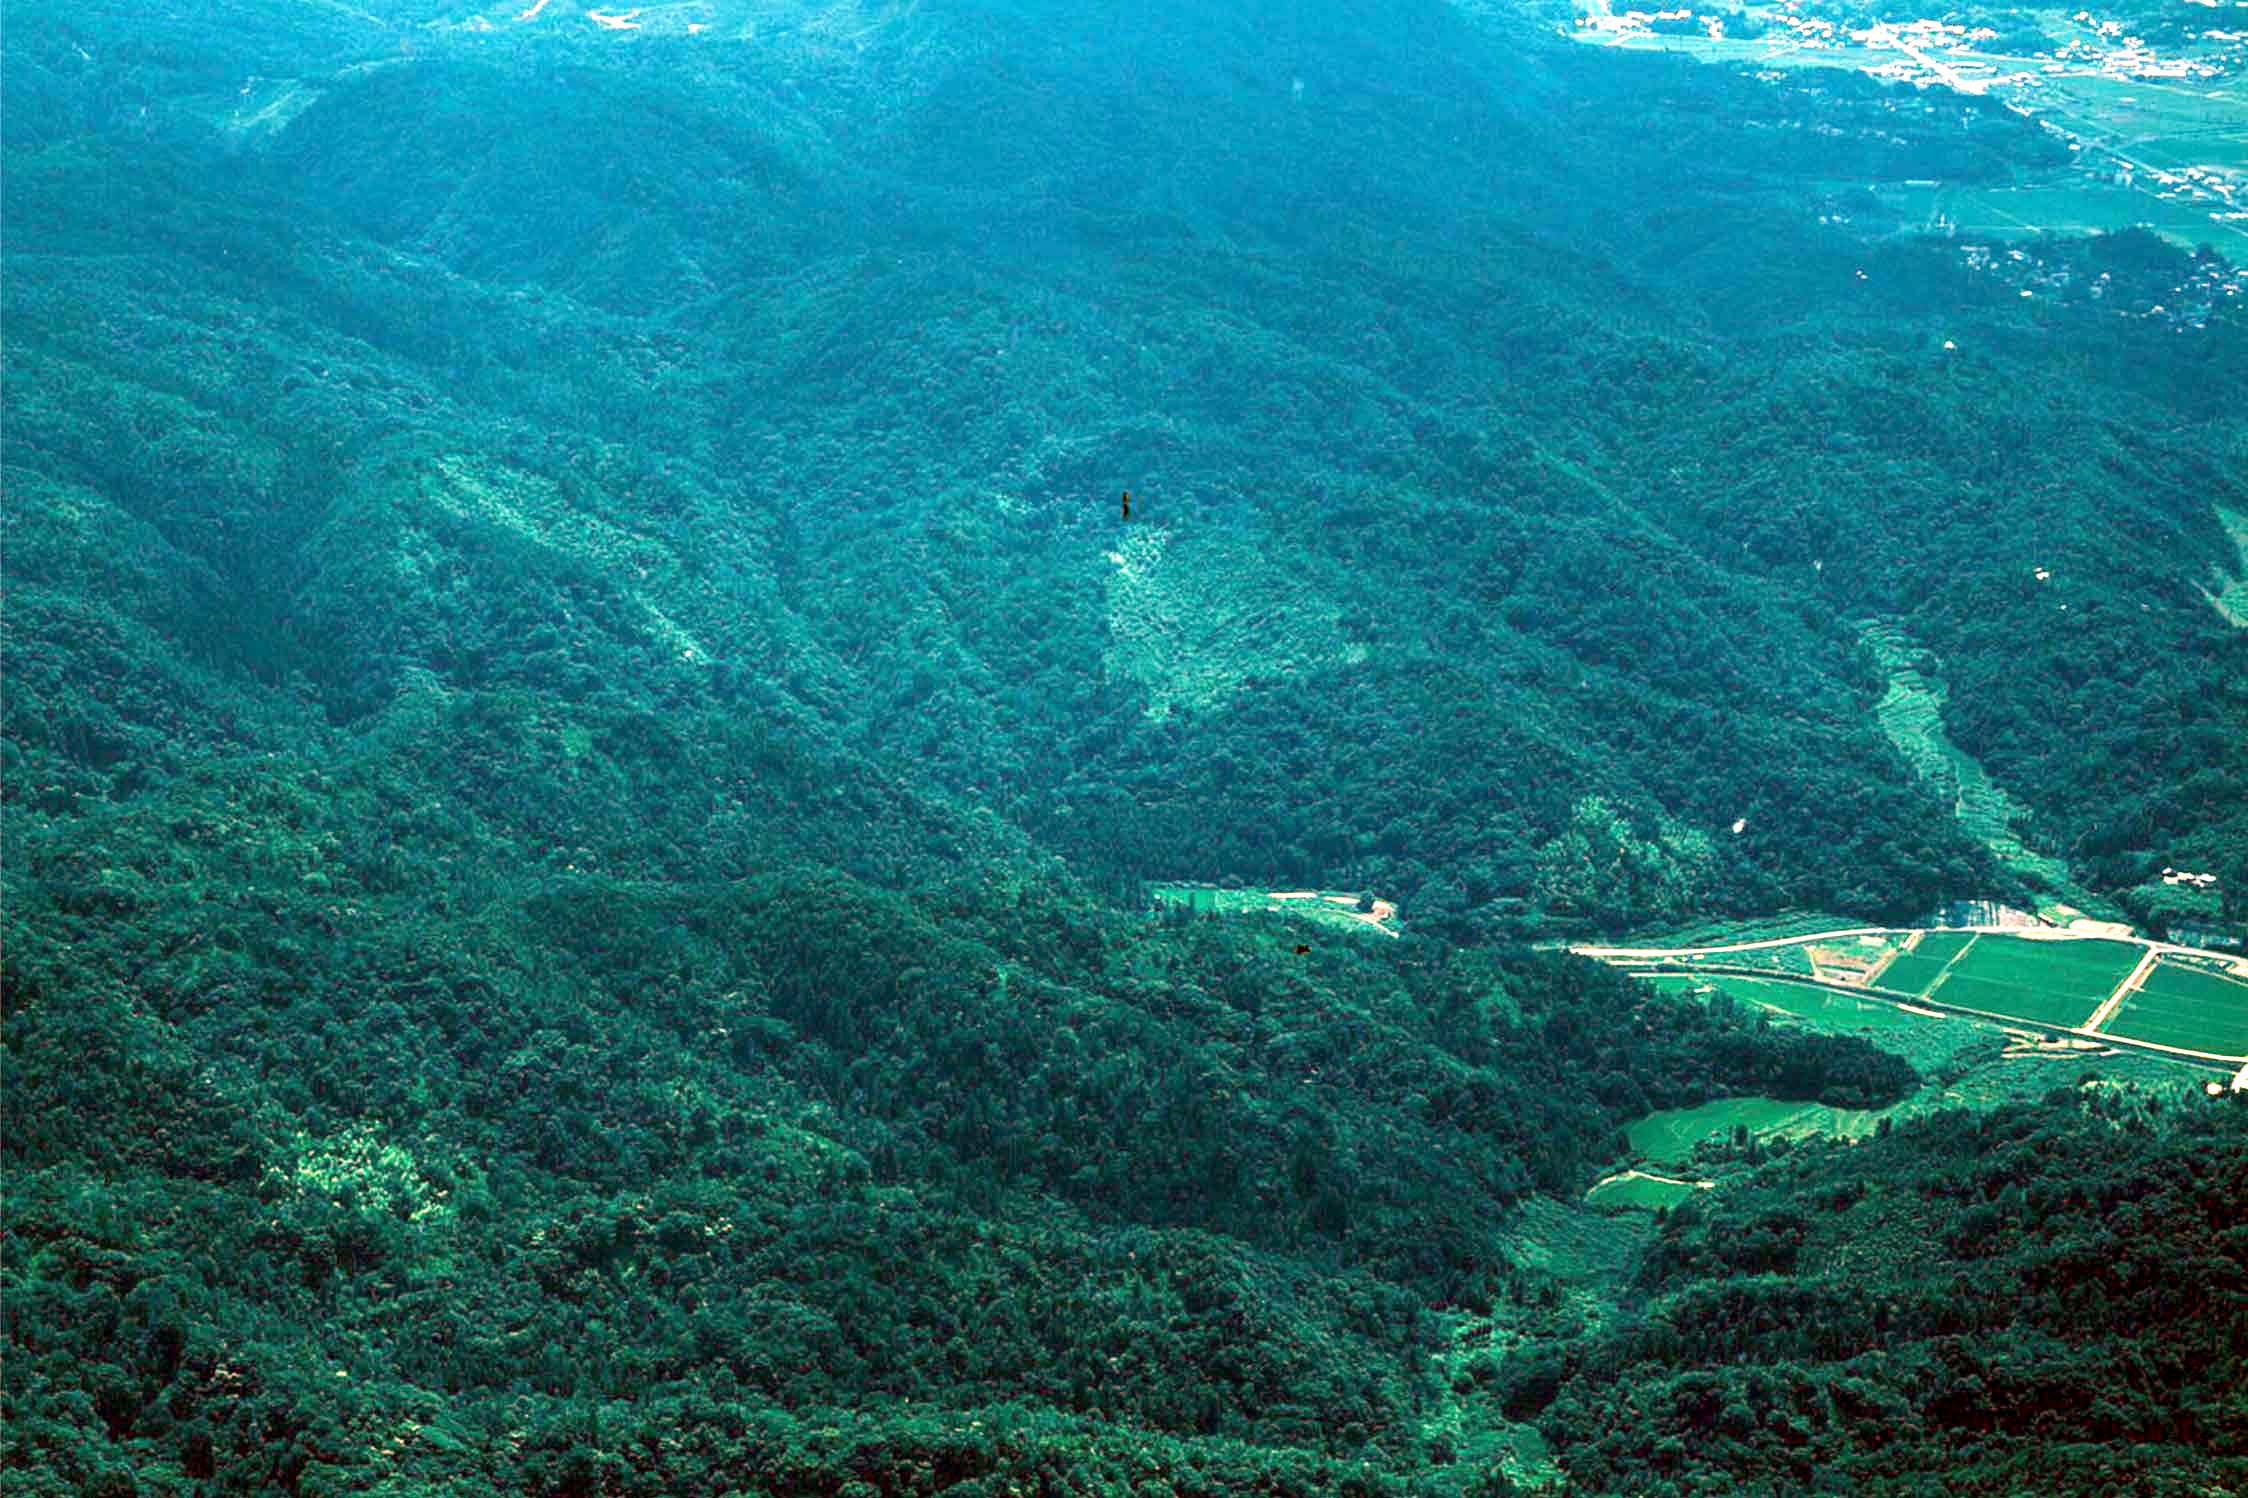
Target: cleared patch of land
pixel 2228 589
pixel 1911 717
pixel 1337 908
pixel 1671 1135
pixel 1789 959
pixel 2184 1006
pixel 1635 1188
pixel 1762 928
pixel 1190 619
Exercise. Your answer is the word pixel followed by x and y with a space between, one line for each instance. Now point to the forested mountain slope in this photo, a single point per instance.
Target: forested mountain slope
pixel 826 384
pixel 583 728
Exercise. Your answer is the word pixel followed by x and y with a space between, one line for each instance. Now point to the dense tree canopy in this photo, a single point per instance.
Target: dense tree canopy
pixel 585 745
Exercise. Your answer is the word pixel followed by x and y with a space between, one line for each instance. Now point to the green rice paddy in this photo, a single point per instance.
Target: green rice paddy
pixel 1822 1007
pixel 2067 208
pixel 2056 983
pixel 1929 1043
pixel 1910 974
pixel 1943 946
pixel 2188 1007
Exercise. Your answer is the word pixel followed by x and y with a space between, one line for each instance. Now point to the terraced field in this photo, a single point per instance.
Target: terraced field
pixel 2187 1006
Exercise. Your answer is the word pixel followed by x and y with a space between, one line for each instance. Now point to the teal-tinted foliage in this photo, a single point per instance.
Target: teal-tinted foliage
pixel 581 768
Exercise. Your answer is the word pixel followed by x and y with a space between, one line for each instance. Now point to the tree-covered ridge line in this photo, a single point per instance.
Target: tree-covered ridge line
pixel 582 775
pixel 446 495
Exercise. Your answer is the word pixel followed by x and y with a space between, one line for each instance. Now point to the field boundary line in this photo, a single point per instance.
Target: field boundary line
pixel 2130 985
pixel 1912 940
pixel 1944 972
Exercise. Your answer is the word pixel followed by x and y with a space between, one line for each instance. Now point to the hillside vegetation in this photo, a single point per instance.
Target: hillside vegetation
pixel 586 741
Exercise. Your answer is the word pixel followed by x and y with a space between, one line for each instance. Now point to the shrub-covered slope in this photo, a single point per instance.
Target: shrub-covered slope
pixel 2052 1297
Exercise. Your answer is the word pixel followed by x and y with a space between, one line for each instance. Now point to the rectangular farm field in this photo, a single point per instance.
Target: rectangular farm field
pixel 1822 1007
pixel 1910 974
pixel 1942 946
pixel 2087 968
pixel 2189 1008
pixel 2032 1005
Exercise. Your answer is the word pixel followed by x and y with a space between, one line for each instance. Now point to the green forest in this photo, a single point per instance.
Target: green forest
pixel 584 745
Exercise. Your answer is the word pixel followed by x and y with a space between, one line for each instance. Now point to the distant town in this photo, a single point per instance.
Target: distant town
pixel 2181 142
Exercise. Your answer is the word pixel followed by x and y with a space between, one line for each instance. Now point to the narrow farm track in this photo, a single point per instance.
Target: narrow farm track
pixel 2125 989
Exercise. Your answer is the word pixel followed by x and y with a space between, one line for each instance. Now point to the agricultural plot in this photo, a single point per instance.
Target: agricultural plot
pixel 2057 983
pixel 1943 946
pixel 2157 125
pixel 2192 1008
pixel 1911 974
pixel 2079 207
pixel 1821 1008
pixel 1928 1043
pixel 2167 127
pixel 1795 959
